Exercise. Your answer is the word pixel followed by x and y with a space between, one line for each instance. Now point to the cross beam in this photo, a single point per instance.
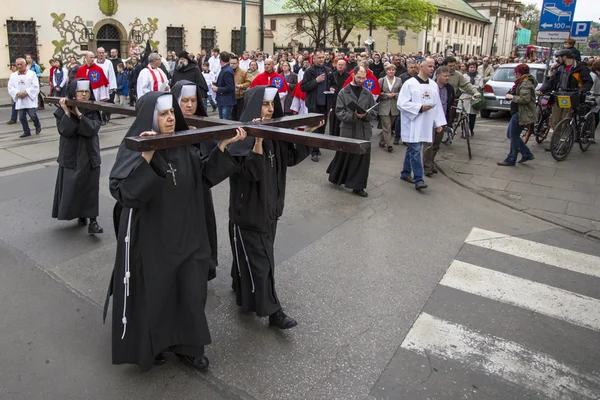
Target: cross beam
pixel 211 129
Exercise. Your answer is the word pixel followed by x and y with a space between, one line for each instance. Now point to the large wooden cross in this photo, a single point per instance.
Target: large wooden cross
pixel 209 128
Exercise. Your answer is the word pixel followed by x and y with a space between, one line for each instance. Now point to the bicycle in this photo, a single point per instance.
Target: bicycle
pixel 541 127
pixel 462 122
pixel 578 127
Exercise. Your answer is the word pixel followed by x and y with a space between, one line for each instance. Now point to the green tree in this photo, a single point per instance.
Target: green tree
pixel 341 17
pixel 530 19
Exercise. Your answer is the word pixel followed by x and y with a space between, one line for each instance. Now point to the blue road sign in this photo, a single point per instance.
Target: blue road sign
pixel 557 15
pixel 580 29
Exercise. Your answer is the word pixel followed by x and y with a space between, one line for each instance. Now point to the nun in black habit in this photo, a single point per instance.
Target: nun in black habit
pixel 78 181
pixel 159 283
pixel 256 201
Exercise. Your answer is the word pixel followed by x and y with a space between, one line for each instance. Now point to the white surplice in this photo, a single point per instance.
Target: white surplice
pixel 417 127
pixel 27 82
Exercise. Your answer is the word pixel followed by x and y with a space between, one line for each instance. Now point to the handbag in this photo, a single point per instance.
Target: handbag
pixel 478 103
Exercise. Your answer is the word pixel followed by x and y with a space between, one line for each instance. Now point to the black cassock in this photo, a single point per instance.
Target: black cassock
pixel 256 201
pixel 338 83
pixel 78 180
pixel 163 251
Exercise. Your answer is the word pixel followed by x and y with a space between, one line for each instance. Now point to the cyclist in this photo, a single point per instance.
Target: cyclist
pixel 570 75
pixel 522 108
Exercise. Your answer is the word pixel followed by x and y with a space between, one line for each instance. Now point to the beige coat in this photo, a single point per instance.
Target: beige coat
pixel 387 105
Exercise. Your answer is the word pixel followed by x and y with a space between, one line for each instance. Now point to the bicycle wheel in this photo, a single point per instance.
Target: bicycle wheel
pixel 464 126
pixel 562 140
pixel 587 132
pixel 543 127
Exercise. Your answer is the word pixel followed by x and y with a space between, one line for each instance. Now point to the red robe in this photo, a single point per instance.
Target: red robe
pixel 272 79
pixel 95 74
pixel 371 83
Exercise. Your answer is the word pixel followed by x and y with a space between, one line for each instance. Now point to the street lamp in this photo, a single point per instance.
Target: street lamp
pixel 138 38
pixel 359 39
pixel 91 36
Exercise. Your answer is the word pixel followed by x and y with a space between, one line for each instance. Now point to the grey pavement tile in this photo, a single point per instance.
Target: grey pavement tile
pixel 571 195
pixel 544 203
pixel 528 188
pixel 8 158
pixel 586 188
pixel 491 162
pixel 476 169
pixel 578 175
pixel 553 181
pixel 465 158
pixel 489 182
pixel 583 211
pixel 595 234
pixel 588 223
pixel 538 170
pixel 513 174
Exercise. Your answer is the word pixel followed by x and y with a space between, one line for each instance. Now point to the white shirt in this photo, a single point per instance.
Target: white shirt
pixel 418 126
pixel 28 82
pixel 65 77
pixel 261 65
pixel 245 64
pixel 214 64
pixel 209 77
pixel 145 82
pixel 109 72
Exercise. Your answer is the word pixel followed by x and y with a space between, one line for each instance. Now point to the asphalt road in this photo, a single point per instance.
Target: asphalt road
pixel 403 295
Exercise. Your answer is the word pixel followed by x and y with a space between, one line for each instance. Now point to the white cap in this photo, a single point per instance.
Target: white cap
pixel 83 85
pixel 186 91
pixel 270 93
pixel 164 102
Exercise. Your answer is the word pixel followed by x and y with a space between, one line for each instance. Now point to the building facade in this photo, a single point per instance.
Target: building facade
pixel 62 30
pixel 501 36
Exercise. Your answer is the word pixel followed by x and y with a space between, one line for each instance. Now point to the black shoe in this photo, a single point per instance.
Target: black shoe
pixel 407 179
pixel 505 164
pixel 82 221
pixel 428 173
pixel 434 170
pixel 315 157
pixel 396 142
pixel 160 359
pixel 282 321
pixel 38 130
pixel 390 149
pixel 24 135
pixel 382 145
pixel 421 185
pixel 198 363
pixel 361 192
pixel 94 228
pixel 319 153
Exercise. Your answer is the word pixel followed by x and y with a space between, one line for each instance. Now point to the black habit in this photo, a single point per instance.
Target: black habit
pixel 192 73
pixel 338 80
pixel 256 201
pixel 159 282
pixel 78 180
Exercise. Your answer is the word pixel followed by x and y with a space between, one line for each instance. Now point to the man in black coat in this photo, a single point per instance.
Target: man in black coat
pixel 338 78
pixel 185 70
pixel 447 97
pixel 315 82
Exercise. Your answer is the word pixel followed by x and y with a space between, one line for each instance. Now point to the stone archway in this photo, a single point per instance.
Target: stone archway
pixel 123 39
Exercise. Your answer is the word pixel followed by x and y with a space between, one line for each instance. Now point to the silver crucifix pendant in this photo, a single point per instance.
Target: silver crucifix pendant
pixel 172 171
pixel 271 157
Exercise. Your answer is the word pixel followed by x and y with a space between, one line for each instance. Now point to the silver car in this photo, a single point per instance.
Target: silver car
pixel 501 82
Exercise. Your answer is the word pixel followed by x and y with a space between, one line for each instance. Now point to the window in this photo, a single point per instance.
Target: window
pixel 299 24
pixel 481 31
pixel 468 49
pixel 456 27
pixel 236 42
pixel 469 29
pixel 175 39
pixel 463 29
pixel 437 47
pixel 273 24
pixel 475 32
pixel 448 26
pixel 21 39
pixel 208 39
pixel 440 22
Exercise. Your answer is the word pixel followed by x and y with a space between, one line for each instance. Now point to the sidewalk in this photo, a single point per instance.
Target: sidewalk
pixel 566 193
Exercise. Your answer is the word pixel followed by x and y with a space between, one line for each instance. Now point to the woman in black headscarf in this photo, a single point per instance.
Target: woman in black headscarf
pixel 78 182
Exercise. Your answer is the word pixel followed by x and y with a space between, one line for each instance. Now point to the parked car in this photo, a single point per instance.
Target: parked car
pixel 501 82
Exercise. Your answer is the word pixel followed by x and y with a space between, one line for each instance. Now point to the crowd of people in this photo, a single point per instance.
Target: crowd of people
pixel 164 216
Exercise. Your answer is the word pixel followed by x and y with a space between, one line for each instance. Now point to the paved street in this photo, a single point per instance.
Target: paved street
pixel 444 294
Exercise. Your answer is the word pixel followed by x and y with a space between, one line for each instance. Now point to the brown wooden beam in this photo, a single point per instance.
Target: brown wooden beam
pixel 182 138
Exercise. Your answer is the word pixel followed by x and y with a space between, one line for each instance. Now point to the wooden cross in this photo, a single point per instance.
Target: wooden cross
pixel 211 129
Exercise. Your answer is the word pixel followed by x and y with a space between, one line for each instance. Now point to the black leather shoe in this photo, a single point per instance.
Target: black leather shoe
pixel 24 135
pixel 82 221
pixel 198 363
pixel 160 359
pixel 38 130
pixel 396 142
pixel 390 149
pixel 94 228
pixel 281 320
pixel 315 157
pixel 434 170
pixel 361 193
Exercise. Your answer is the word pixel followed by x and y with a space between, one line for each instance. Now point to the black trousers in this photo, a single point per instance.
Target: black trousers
pixel 472 118
pixel 236 113
pixel 320 109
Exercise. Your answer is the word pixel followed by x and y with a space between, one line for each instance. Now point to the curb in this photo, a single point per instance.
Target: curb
pixel 543 215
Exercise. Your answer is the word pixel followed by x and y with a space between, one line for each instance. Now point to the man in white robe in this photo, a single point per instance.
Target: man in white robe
pixel 421 111
pixel 108 68
pixel 152 78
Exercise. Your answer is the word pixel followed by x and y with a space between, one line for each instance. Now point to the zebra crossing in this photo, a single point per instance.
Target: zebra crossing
pixel 559 301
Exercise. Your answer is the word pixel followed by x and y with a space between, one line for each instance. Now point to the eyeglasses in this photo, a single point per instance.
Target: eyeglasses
pixel 83 91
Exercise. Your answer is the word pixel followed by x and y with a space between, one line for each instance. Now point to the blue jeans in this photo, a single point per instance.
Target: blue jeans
pixel 212 102
pixel 14 115
pixel 516 143
pixel 412 163
pixel 32 112
pixel 225 112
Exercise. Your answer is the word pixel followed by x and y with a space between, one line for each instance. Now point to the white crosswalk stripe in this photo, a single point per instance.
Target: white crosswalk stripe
pixel 510 361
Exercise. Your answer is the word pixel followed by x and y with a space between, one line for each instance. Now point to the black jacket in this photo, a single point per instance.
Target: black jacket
pixel 584 83
pixel 449 112
pixel 310 85
pixel 192 73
